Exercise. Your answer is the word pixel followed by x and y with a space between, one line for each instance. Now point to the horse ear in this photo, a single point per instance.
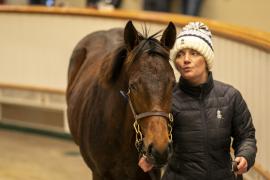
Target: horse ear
pixel 169 36
pixel 131 36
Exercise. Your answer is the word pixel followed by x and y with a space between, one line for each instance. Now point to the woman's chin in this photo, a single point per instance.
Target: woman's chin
pixel 187 75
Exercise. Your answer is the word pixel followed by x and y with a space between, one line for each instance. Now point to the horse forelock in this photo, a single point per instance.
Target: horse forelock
pixel 149 45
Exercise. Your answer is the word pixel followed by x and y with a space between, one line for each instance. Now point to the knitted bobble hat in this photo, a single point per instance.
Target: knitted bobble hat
pixel 197 36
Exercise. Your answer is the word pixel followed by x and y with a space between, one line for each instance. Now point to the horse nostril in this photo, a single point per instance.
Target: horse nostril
pixel 159 159
pixel 150 149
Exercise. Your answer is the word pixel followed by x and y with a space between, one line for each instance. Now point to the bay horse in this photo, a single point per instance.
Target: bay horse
pixel 119 93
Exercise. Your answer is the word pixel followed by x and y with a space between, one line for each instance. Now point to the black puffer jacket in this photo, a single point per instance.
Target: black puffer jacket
pixel 206 117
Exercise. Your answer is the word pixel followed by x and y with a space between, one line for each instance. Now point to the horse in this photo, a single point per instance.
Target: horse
pixel 119 95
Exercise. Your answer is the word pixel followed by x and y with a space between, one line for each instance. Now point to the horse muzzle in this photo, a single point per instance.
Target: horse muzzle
pixel 158 159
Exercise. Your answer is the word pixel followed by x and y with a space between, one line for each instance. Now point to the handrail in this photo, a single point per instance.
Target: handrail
pixel 258 168
pixel 248 36
pixel 32 88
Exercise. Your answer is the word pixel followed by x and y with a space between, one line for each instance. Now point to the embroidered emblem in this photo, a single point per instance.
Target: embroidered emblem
pixel 182 41
pixel 219 114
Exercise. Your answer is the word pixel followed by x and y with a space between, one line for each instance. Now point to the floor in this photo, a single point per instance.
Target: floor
pixel 26 156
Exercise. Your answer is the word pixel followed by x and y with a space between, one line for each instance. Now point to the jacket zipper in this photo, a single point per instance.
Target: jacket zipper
pixel 204 122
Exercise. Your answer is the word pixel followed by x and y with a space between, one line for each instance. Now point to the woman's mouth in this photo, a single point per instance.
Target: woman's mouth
pixel 186 69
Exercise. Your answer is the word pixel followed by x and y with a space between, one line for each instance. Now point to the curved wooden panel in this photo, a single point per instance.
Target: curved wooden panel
pixel 32 88
pixel 245 35
pixel 260 170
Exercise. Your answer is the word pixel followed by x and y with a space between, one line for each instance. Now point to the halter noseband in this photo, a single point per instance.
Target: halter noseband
pixel 139 136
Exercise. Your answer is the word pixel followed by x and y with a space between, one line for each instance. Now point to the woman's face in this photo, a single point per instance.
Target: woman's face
pixel 192 66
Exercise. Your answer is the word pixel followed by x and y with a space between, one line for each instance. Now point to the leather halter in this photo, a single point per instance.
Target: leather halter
pixel 139 136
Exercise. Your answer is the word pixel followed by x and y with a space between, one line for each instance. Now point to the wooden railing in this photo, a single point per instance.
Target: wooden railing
pixel 261 171
pixel 32 88
pixel 43 108
pixel 245 35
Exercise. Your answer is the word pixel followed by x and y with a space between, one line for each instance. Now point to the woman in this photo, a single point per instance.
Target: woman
pixel 207 115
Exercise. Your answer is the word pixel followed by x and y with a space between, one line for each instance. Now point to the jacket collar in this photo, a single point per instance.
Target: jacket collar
pixel 199 91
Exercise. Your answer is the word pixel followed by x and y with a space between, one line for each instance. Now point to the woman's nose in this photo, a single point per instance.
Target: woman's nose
pixel 186 59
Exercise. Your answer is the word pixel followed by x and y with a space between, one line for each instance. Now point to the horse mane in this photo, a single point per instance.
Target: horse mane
pixel 122 57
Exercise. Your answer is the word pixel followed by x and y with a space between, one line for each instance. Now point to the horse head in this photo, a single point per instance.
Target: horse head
pixel 147 78
pixel 150 83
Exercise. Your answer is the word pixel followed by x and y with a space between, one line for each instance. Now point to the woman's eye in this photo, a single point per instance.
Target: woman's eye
pixel 180 54
pixel 194 53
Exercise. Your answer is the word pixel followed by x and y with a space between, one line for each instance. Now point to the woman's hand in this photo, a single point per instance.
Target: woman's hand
pixel 144 164
pixel 242 165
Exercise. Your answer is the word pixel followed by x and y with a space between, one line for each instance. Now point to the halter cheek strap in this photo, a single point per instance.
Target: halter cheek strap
pixel 139 136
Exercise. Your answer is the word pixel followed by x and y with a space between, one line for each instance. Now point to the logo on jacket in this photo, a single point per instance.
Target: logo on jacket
pixel 219 114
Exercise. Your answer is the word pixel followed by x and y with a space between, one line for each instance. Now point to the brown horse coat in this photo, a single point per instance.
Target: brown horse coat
pixel 100 120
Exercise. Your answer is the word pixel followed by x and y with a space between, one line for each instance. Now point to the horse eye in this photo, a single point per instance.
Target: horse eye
pixel 132 87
